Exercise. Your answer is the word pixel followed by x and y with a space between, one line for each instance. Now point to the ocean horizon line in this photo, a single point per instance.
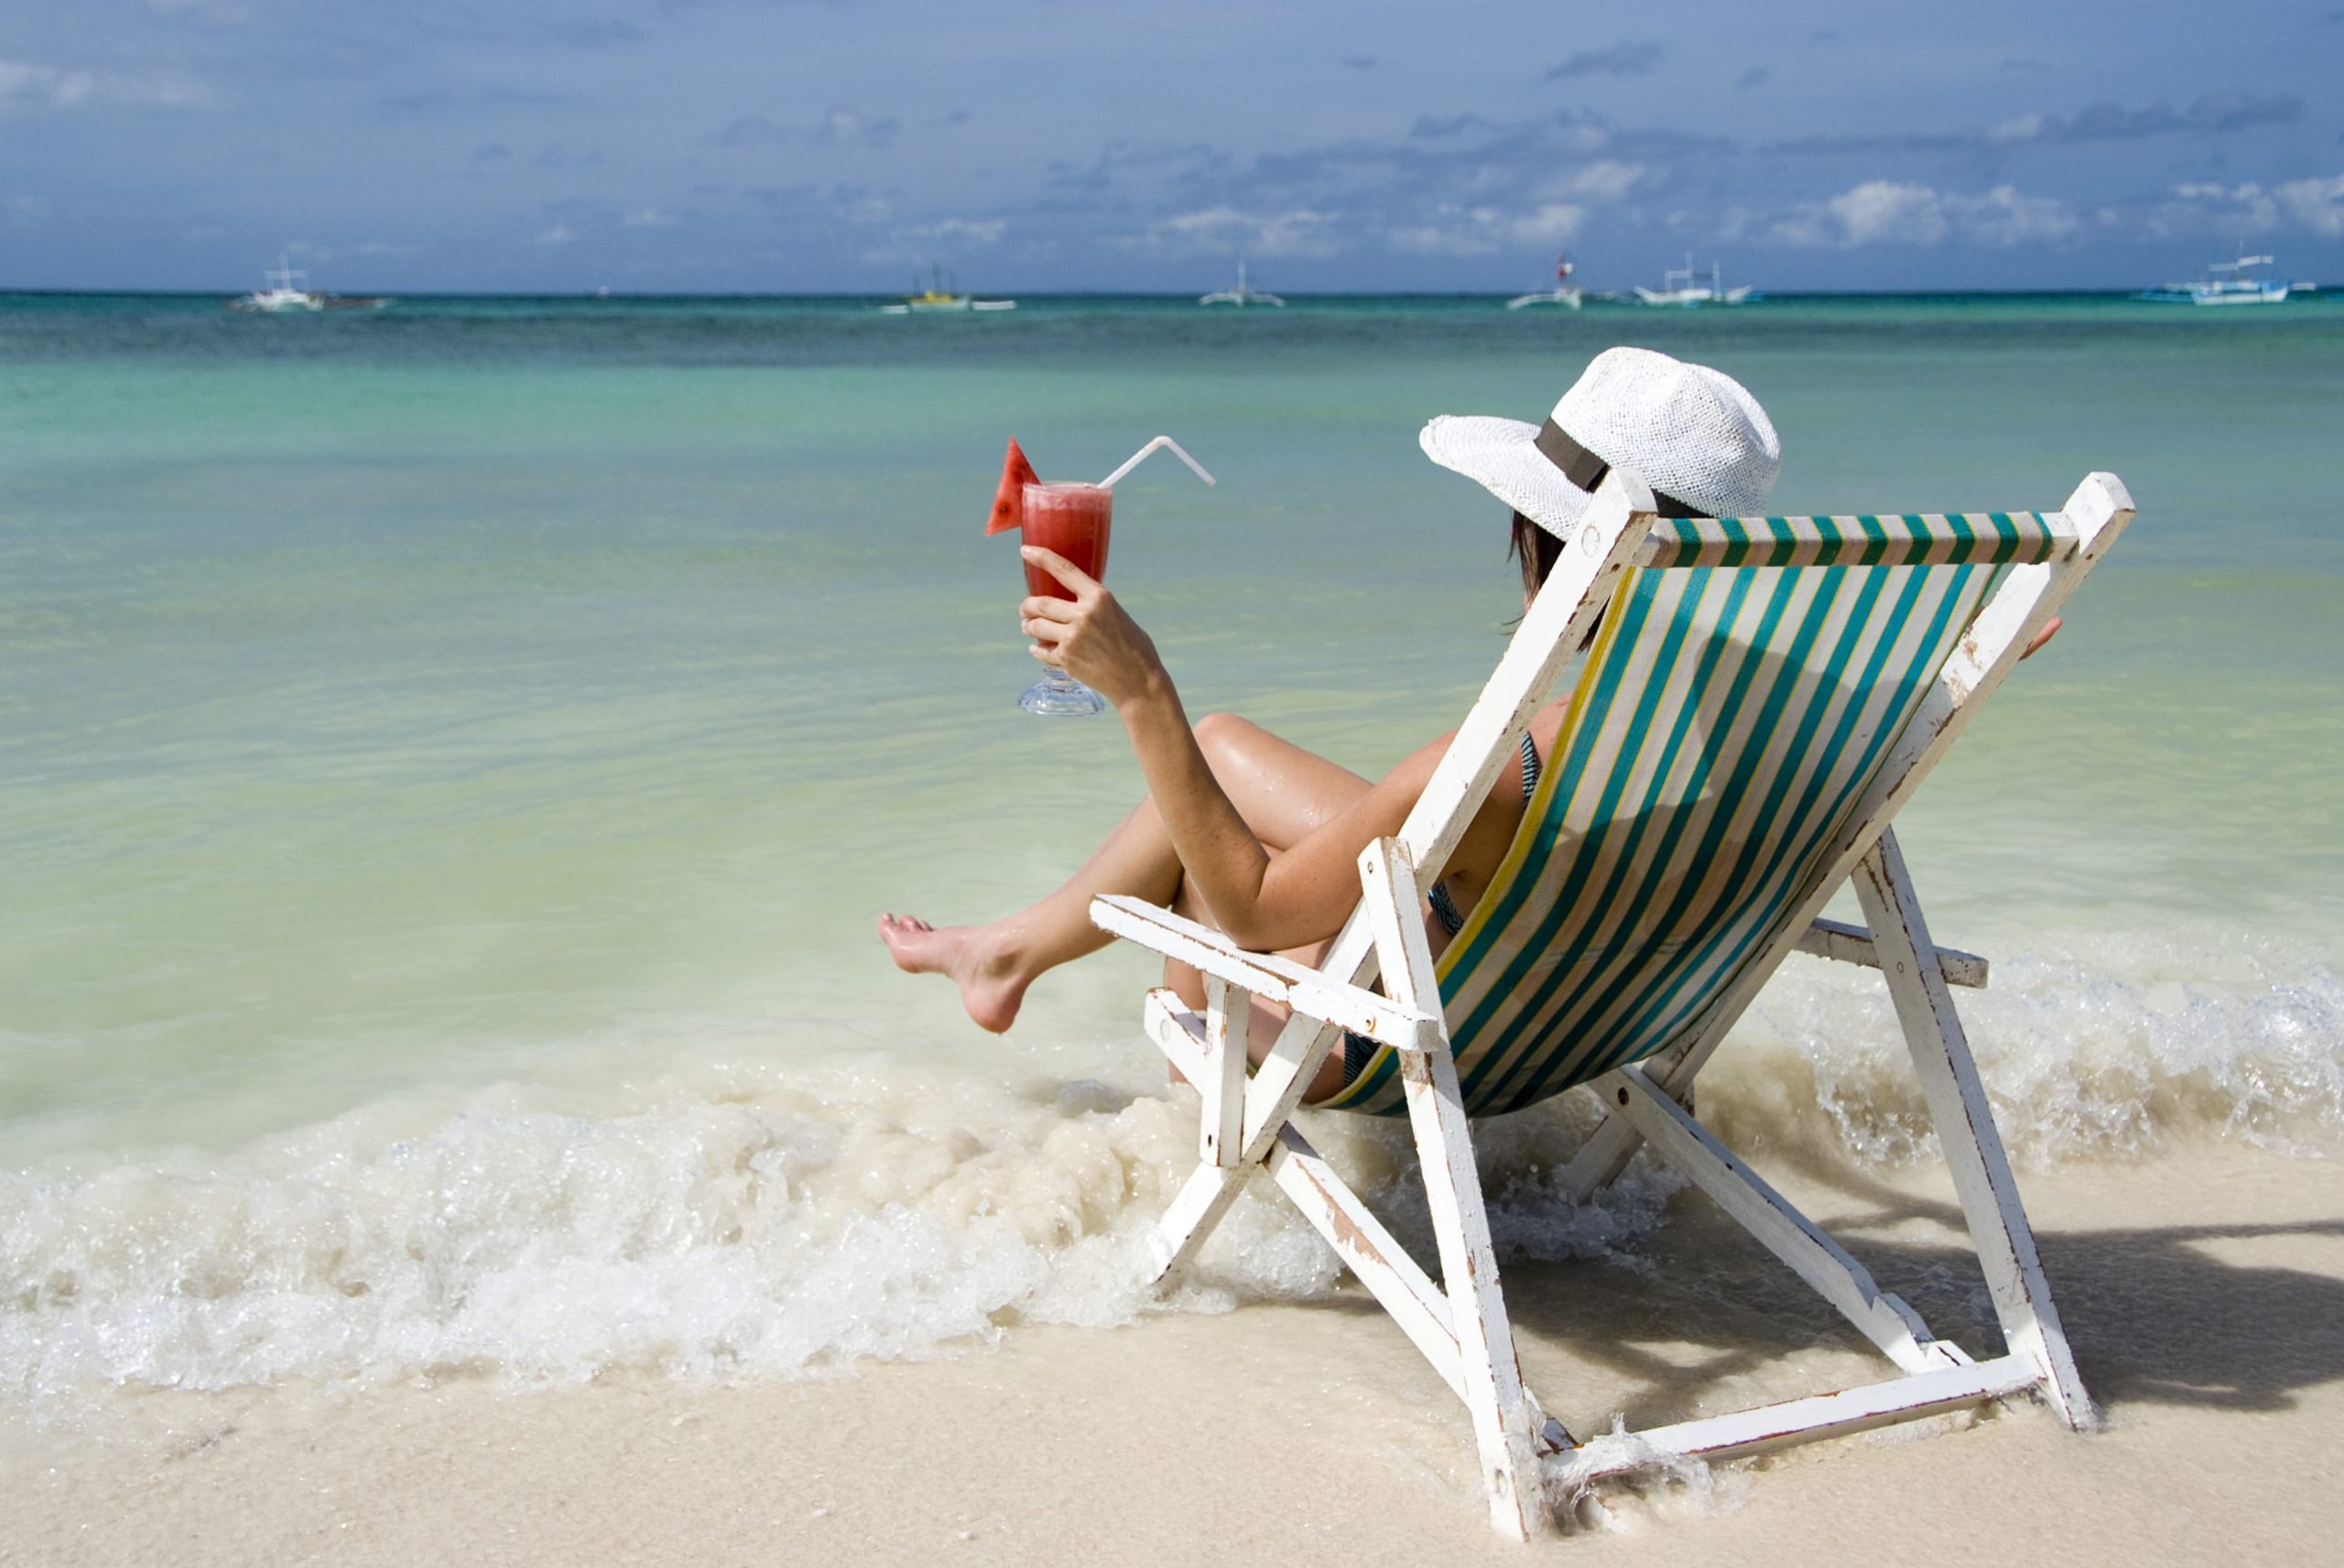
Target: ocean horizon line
pixel 1152 296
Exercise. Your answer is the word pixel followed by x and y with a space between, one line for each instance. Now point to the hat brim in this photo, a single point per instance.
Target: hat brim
pixel 1502 457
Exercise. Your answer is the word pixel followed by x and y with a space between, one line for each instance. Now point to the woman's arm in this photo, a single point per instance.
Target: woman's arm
pixel 1263 901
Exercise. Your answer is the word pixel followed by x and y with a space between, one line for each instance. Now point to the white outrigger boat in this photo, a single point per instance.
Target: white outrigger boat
pixel 1562 294
pixel 1243 295
pixel 281 297
pixel 2226 283
pixel 1684 287
pixel 938 296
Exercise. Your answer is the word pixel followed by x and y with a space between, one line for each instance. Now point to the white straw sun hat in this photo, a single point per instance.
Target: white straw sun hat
pixel 1695 434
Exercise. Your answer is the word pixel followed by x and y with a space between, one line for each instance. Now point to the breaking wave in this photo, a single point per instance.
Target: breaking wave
pixel 751 1222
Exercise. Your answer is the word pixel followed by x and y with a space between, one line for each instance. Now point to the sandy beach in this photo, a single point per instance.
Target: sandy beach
pixel 2204 1292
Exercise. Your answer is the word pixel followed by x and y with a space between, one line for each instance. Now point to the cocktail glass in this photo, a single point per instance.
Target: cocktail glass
pixel 1075 520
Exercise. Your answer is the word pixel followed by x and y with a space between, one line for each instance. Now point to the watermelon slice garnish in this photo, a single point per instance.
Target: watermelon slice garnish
pixel 1009 501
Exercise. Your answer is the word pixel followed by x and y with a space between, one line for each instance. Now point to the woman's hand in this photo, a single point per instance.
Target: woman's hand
pixel 1090 636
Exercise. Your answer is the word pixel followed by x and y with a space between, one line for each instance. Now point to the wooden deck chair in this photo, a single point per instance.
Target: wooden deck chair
pixel 1761 697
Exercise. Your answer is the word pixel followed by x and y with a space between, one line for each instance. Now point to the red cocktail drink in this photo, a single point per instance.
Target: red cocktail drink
pixel 1076 521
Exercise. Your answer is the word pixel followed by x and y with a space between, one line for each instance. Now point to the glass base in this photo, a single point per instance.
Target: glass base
pixel 1058 695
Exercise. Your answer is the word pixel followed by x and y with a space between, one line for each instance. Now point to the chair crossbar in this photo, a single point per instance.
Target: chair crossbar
pixel 1300 987
pixel 1952 538
pixel 1853 944
pixel 1689 1149
pixel 1821 1415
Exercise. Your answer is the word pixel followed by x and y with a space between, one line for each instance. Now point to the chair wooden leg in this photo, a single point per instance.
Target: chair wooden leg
pixel 1228 1011
pixel 1505 1421
pixel 1608 1149
pixel 1965 1131
pixel 1199 1204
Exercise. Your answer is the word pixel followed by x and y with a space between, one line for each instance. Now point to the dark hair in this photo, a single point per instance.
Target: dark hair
pixel 1536 549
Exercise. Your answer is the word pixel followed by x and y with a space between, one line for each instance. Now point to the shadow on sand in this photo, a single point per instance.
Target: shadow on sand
pixel 2155 1316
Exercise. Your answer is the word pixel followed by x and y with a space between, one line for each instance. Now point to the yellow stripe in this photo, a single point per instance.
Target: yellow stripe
pixel 1535 811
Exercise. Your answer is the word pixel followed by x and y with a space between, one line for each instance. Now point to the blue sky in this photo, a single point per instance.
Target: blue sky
pixel 836 145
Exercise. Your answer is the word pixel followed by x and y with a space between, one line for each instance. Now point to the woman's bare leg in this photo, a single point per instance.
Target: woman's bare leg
pixel 1281 790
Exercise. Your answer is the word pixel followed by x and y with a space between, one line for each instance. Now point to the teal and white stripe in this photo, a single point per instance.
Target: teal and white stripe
pixel 1994 538
pixel 1728 722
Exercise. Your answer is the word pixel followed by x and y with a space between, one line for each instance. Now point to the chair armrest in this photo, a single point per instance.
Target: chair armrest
pixel 1300 987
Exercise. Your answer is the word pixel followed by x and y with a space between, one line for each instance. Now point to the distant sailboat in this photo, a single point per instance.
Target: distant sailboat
pixel 2226 283
pixel 1244 294
pixel 280 294
pixel 281 297
pixel 1562 294
pixel 937 294
pixel 1683 287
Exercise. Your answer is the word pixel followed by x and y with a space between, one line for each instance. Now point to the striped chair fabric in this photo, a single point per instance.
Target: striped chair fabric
pixel 1744 689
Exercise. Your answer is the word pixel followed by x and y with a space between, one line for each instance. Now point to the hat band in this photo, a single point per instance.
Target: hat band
pixel 1585 470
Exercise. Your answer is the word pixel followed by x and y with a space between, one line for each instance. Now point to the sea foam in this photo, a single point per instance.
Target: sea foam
pixel 756 1220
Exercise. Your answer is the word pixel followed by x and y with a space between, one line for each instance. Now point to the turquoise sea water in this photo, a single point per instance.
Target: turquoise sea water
pixel 449 761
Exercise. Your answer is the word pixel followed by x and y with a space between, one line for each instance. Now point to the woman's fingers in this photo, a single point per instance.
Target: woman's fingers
pixel 1079 583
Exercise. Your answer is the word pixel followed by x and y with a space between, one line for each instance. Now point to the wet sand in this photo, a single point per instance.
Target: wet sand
pixel 2204 1293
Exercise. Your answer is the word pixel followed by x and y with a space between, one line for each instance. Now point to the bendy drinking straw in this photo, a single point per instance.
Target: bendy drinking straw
pixel 1133 462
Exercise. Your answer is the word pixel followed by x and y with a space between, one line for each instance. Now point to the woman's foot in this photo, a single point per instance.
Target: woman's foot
pixel 980 959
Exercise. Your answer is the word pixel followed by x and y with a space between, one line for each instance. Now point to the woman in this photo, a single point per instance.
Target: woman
pixel 1258 837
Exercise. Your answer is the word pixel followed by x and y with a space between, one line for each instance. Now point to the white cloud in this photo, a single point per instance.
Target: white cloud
pixel 559 234
pixel 1606 179
pixel 1888 211
pixel 650 217
pixel 846 128
pixel 216 13
pixel 2209 207
pixel 970 230
pixel 924 244
pixel 24 86
pixel 2231 212
pixel 30 89
pixel 1486 230
pixel 2005 216
pixel 2317 204
pixel 1300 231
pixel 1884 211
pixel 310 251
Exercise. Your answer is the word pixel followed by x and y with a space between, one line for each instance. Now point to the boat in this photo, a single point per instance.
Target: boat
pixel 937 295
pixel 281 294
pixel 1685 288
pixel 1562 294
pixel 1243 295
pixel 281 297
pixel 2226 283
